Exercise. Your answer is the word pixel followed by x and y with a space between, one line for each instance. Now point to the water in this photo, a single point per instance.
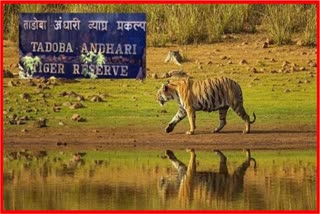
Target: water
pixel 145 181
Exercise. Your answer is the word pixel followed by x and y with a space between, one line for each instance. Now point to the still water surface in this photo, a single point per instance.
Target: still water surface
pixel 146 181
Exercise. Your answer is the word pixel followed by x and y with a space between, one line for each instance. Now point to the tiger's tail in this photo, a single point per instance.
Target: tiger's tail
pixel 254 118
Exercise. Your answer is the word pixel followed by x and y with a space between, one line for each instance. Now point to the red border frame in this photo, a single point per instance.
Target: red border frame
pixel 317 3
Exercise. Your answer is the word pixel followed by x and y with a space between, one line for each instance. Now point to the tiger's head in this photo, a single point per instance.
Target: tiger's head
pixel 165 93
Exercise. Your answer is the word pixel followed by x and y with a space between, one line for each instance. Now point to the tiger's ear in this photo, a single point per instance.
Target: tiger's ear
pixel 165 87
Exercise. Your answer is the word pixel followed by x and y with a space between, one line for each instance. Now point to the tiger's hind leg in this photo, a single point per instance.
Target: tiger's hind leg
pixel 239 109
pixel 223 118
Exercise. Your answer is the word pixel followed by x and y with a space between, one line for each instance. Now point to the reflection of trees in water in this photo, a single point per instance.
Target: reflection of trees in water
pixel 204 187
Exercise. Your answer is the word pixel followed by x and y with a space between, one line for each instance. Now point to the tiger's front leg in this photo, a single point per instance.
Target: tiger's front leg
pixel 180 115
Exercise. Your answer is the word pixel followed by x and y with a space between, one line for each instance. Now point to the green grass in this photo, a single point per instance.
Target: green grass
pixel 133 103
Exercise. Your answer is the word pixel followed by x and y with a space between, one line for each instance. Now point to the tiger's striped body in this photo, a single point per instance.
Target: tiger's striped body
pixel 207 95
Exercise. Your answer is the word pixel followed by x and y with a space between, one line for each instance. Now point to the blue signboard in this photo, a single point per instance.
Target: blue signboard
pixel 83 45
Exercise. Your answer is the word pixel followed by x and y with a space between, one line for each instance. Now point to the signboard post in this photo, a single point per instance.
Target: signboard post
pixel 83 45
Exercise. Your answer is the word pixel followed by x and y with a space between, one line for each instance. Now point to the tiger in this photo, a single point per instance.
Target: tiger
pixel 206 95
pixel 192 184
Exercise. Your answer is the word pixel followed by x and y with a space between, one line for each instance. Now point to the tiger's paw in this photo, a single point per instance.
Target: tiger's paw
pixel 245 132
pixel 169 128
pixel 189 132
pixel 216 130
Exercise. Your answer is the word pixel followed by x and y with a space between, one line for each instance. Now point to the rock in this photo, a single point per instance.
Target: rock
pixel 293 69
pixel 24 130
pixel 223 57
pixel 67 104
pixel 98 162
pixel 272 60
pixel 243 62
pixel 56 108
pixel 25 96
pixel 42 122
pixel 285 63
pixel 78 118
pixel 75 117
pixel 198 62
pixel 69 94
pixel 19 122
pixel 287 91
pixel 307 81
pixel 80 98
pixel 177 74
pixel 253 70
pixel 244 43
pixel 270 41
pixel 302 68
pixel 273 71
pixel 96 98
pixel 312 64
pixel 24 117
pixel 103 95
pixel 209 62
pixel 11 84
pixel 265 45
pixel 61 123
pixel 76 106
pixel 300 42
pixel 7 74
pixel 61 143
pixel 154 76
pixel 62 94
pixel 165 75
pixel 229 62
pixel 200 67
pixel 175 57
pixel 31 83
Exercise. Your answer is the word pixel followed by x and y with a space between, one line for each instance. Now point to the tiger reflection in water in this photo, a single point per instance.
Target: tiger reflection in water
pixel 204 186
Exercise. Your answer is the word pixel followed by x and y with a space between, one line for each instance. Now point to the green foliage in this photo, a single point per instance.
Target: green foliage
pixel 100 59
pixel 29 64
pixel 92 58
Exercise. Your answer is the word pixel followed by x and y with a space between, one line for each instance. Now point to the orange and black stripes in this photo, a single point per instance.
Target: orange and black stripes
pixel 207 95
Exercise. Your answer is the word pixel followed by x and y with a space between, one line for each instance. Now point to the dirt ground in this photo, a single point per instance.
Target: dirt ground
pixel 131 138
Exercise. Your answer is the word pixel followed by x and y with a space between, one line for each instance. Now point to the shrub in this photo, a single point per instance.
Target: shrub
pixel 310 32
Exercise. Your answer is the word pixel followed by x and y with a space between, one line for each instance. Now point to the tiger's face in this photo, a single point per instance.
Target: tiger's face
pixel 165 93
